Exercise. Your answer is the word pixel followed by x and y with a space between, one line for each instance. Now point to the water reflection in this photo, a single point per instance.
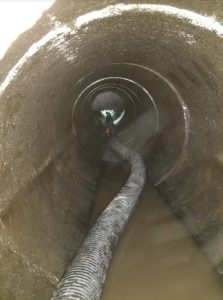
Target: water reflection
pixel 156 258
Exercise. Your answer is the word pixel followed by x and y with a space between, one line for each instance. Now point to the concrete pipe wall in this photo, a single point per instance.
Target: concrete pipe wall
pixel 165 59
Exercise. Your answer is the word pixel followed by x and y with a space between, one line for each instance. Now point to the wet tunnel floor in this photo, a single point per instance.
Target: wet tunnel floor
pixel 156 258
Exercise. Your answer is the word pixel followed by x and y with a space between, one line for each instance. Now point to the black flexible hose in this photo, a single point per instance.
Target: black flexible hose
pixel 86 274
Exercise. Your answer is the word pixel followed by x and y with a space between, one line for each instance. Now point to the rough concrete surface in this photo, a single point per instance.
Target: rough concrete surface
pixel 50 163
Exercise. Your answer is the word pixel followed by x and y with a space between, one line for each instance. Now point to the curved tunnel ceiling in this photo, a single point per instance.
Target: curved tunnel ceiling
pixel 165 59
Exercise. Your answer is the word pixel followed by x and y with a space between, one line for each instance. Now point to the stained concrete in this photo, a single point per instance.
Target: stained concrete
pixel 156 257
pixel 50 163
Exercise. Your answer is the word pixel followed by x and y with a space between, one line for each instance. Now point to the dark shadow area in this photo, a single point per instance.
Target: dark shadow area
pixel 166 66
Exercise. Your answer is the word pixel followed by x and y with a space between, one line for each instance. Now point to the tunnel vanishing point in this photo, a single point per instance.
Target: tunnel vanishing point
pixel 164 59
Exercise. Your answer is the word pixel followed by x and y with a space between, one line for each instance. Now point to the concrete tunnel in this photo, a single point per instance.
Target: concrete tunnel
pixel 164 59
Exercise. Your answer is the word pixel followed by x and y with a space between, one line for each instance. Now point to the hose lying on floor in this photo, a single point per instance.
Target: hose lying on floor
pixel 86 274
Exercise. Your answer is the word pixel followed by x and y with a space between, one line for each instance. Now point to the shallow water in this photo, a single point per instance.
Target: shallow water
pixel 156 258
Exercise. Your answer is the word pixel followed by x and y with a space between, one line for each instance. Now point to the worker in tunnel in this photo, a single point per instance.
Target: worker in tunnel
pixel 160 58
pixel 108 106
pixel 109 124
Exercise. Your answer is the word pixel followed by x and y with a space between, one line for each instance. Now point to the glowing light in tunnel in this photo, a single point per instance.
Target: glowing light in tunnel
pixel 116 116
pixel 16 16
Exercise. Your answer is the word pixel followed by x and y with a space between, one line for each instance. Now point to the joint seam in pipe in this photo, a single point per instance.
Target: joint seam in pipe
pixel 59 29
